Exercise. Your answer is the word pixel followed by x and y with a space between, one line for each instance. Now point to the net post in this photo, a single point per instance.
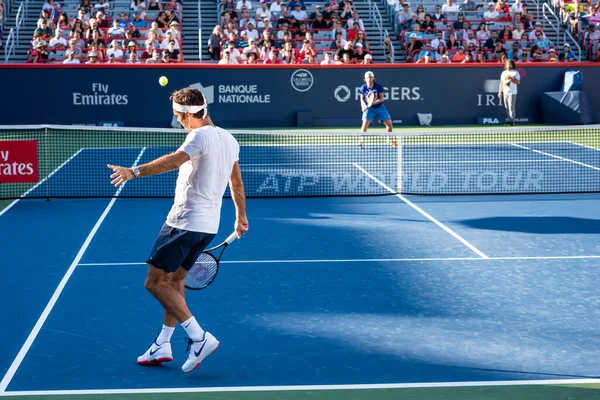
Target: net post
pixel 399 164
pixel 46 155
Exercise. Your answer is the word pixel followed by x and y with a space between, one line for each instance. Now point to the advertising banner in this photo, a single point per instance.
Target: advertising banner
pixel 18 161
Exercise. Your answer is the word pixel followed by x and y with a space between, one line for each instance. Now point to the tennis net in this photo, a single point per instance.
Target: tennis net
pixel 64 161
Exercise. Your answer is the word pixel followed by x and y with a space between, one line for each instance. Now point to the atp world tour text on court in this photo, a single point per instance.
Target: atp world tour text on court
pixel 296 181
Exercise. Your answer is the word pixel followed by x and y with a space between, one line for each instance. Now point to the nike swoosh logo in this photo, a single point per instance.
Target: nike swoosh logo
pixel 187 325
pixel 154 352
pixel 197 353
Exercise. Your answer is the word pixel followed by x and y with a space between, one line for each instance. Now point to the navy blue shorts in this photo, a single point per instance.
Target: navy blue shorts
pixel 176 248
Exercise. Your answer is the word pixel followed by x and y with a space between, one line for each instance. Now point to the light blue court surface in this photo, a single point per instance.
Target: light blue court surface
pixel 322 291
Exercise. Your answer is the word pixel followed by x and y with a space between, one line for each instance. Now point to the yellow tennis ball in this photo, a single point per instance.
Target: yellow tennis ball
pixel 163 81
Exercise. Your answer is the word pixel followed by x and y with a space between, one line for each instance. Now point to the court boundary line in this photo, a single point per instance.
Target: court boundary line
pixel 286 388
pixel 586 146
pixel 555 156
pixel 14 366
pixel 40 182
pixel 423 212
pixel 315 261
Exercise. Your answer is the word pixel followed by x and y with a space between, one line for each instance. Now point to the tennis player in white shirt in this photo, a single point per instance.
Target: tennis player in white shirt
pixel 207 162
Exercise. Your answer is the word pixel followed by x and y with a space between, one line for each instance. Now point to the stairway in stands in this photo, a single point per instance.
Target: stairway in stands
pixel 26 31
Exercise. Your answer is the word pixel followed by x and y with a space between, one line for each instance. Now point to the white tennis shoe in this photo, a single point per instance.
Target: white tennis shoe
pixel 198 351
pixel 156 354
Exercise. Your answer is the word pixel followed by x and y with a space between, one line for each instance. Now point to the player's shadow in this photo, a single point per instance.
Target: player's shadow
pixel 541 225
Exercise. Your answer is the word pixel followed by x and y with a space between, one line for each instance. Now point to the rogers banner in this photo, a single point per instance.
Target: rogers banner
pixel 18 161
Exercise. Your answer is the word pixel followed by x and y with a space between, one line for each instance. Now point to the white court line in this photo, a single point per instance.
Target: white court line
pixel 302 164
pixel 583 145
pixel 422 212
pixel 42 319
pixel 301 387
pixel 40 182
pixel 555 156
pixel 365 260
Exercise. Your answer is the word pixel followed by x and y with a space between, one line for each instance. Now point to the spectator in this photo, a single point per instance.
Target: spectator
pixel 428 23
pixel 92 58
pixel 552 57
pixel 468 5
pixel 275 8
pixel 450 8
pixel 520 31
pixel 517 7
pixel 327 60
pixel 404 16
pixel 299 14
pixel 346 10
pixel 63 23
pixel 45 17
pixel 227 59
pixel 515 53
pixel 533 35
pixel 320 24
pixel 243 3
pixel 252 47
pixel 266 49
pixel 161 20
pixel 58 42
pixel 137 21
pixel 591 38
pixel 353 33
pixel 506 33
pixel 368 59
pixel 483 33
pixel 154 5
pixel 158 33
pixel 263 12
pixel 468 59
pixel 414 44
pixel 288 54
pixel 529 23
pixel 359 53
pixel 175 8
pixel 116 31
pixel 155 59
pixel 301 33
pixel 173 53
pixel 438 39
pixel 438 15
pixel 306 49
pixel 347 49
pixel 567 54
pixel 250 31
pixel 458 25
pixel 452 44
pixel 499 52
pixel 133 58
pixel 470 39
pixel 459 56
pixel 338 43
pixel 168 38
pixel 338 29
pixel 388 49
pixel 491 14
pixel 542 42
pixel 273 58
pixel 491 42
pixel 361 39
pixel 44 31
pixel 420 13
pixel 327 12
pixel 214 43
pixel 116 52
pixel 502 8
pixel 71 58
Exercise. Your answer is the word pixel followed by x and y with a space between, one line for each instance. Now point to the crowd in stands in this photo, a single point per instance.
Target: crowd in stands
pixel 464 33
pixel 289 33
pixel 333 33
pixel 582 19
pixel 96 33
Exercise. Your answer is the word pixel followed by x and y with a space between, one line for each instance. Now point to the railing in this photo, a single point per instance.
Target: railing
pixel 553 20
pixel 200 45
pixel 9 45
pixel 377 20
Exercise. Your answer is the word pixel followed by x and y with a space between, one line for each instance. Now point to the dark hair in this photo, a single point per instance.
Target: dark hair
pixel 190 97
pixel 512 64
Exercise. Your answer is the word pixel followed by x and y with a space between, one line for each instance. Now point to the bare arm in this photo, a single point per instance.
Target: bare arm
pixel 236 185
pixel 160 165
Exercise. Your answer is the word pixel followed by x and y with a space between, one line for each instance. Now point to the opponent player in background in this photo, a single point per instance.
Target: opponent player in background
pixel 207 161
pixel 376 110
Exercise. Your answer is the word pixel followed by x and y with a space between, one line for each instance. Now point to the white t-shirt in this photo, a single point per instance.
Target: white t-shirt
pixel 512 88
pixel 203 179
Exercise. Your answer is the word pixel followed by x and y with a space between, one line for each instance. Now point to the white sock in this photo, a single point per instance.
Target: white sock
pixel 165 334
pixel 192 328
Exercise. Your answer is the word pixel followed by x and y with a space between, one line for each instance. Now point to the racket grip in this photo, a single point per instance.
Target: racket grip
pixel 231 238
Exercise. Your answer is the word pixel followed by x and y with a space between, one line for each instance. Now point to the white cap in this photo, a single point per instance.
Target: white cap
pixel 369 74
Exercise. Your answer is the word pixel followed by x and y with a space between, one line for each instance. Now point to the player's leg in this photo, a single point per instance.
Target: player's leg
pixel 384 116
pixel 367 118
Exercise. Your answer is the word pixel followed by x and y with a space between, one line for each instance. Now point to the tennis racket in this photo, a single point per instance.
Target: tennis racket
pixel 370 99
pixel 205 269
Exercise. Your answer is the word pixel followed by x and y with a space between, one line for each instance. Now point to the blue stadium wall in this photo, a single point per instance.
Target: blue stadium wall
pixel 272 96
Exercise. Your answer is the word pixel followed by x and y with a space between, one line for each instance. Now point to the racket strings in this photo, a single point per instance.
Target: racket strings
pixel 202 272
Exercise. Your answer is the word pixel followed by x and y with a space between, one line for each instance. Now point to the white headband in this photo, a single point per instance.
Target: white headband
pixel 187 109
pixel 191 109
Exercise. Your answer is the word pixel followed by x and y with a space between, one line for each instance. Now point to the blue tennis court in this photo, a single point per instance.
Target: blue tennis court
pixel 394 291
